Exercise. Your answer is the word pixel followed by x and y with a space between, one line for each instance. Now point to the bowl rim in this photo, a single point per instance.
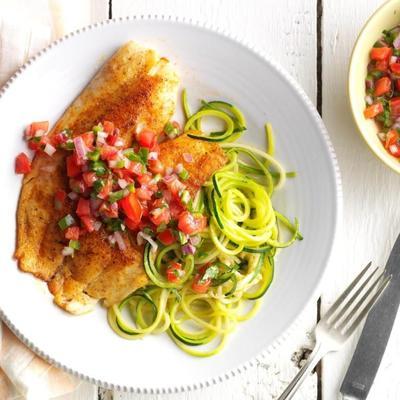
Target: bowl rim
pixel 338 205
pixel 387 159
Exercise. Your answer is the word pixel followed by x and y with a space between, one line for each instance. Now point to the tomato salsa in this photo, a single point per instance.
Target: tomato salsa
pixel 116 187
pixel 383 89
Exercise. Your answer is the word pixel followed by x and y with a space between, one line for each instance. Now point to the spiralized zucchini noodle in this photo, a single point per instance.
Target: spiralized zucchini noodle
pixel 236 250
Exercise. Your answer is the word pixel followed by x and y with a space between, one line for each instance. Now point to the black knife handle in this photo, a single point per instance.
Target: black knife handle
pixel 371 345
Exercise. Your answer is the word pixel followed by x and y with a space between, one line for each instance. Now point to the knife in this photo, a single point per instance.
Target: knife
pixel 375 335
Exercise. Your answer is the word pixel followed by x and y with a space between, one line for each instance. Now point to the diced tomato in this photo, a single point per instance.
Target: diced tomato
pixel 135 168
pixel 156 166
pixel 394 150
pixel 41 125
pixel 395 67
pixel 382 65
pixel 380 53
pixel 72 233
pixel 132 207
pixel 173 272
pixel 105 191
pixel 73 169
pixel 146 138
pixel 58 139
pixel 89 178
pixel 108 127
pixel 59 199
pixel 160 216
pixel 175 209
pixel 155 147
pixel 22 164
pixel 175 186
pixel 373 110
pixel 88 139
pixel 60 195
pixel 88 223
pixel 392 137
pixel 112 139
pixel 144 194
pixel 382 86
pixel 395 107
pixel 190 224
pixel 108 152
pixel 166 237
pixel 199 286
pixel 131 224
pixel 83 207
pixel 109 210
pixel 144 179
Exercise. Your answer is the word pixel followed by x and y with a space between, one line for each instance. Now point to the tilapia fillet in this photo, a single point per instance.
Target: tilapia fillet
pixel 135 86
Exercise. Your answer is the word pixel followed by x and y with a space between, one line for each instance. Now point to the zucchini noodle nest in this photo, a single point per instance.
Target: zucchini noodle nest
pixel 236 250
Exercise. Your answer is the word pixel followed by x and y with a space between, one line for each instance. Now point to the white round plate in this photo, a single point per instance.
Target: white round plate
pixel 211 66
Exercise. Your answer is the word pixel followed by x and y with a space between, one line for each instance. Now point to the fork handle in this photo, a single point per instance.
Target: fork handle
pixel 313 359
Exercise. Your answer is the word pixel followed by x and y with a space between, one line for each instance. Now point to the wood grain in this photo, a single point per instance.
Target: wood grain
pixel 371 213
pixel 285 30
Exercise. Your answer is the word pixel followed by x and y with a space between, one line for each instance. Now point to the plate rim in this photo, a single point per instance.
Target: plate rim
pixel 282 338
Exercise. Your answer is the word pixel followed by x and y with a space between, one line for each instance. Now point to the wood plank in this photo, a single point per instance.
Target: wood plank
pixel 26 27
pixel 289 37
pixel 371 213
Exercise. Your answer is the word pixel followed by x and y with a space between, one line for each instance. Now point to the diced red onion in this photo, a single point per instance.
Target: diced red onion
pixel 148 238
pixel 153 155
pixel 49 149
pixel 396 42
pixel 67 251
pixel 169 178
pixel 97 225
pixel 127 163
pixel 101 137
pixel 119 143
pixel 40 132
pixel 139 127
pixel 73 195
pixel 195 240
pixel 369 83
pixel 85 168
pixel 122 183
pixel 111 239
pixel 116 131
pixel 120 241
pixel 188 249
pixel 112 163
pixel 393 148
pixel 393 60
pixel 179 168
pixel 396 125
pixel 187 157
pixel 169 171
pixel 80 147
pixel 369 100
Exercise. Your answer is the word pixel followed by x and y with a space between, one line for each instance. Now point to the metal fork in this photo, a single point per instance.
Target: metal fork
pixel 340 321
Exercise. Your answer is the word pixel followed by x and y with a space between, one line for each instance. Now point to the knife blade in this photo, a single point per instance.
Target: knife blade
pixel 375 334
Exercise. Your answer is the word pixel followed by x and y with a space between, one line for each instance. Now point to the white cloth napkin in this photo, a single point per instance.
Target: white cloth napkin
pixel 26 26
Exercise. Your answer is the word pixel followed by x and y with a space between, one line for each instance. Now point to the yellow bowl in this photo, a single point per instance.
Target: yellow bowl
pixel 386 17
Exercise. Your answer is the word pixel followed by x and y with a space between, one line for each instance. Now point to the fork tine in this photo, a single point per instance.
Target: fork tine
pixel 339 301
pixel 353 307
pixel 368 306
pixel 343 310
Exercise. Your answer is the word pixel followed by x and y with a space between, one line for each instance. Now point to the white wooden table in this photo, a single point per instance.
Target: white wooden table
pixel 312 39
